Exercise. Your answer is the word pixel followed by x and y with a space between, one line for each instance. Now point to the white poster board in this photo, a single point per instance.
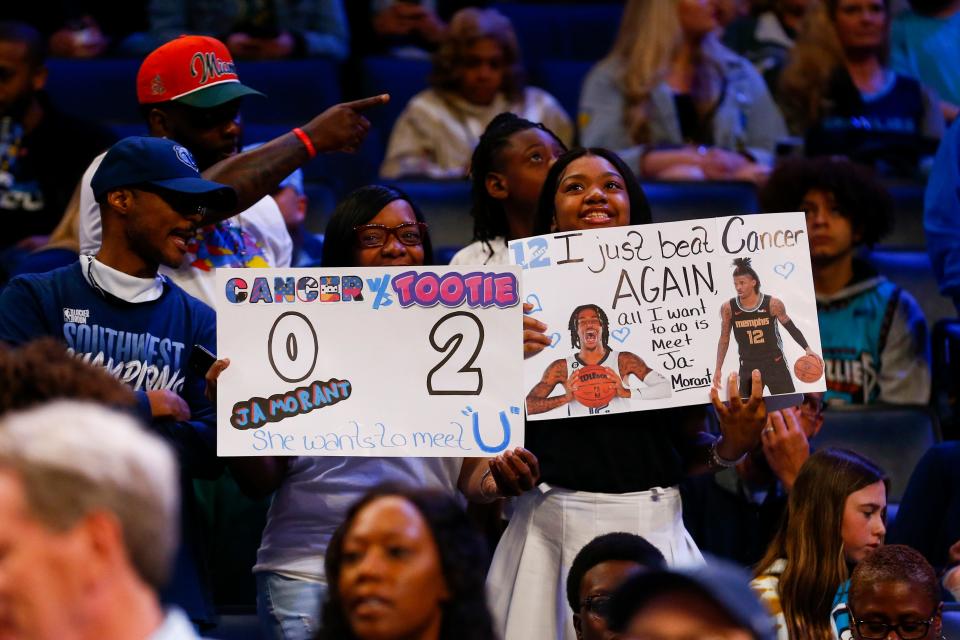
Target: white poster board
pixel 369 362
pixel 657 294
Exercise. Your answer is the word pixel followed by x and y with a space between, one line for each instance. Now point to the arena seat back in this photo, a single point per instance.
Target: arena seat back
pixel 894 437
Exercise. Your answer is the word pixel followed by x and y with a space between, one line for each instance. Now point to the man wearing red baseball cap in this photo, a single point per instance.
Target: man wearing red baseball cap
pixel 189 91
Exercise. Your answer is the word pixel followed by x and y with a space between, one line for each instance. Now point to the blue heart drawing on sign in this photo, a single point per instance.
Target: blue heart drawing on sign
pixel 534 299
pixel 554 340
pixel 784 270
pixel 620 335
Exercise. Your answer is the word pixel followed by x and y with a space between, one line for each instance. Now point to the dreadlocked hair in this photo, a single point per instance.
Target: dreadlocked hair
pixel 575 338
pixel 744 268
pixel 489 218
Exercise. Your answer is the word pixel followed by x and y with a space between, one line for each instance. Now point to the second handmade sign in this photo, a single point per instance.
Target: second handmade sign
pixel 643 317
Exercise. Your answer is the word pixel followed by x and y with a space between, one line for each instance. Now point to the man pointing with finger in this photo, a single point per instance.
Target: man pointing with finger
pixel 189 91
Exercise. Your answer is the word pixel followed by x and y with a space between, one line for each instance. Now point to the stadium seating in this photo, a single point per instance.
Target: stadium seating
pixel 402 78
pixel 562 79
pixel 895 437
pixel 101 90
pixel 236 623
pixel 570 31
pixel 672 201
pixel 951 620
pixel 911 270
pixel 908 224
pixel 296 90
pixel 945 351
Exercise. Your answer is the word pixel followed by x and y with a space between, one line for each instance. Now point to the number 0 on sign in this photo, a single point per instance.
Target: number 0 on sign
pixel 369 362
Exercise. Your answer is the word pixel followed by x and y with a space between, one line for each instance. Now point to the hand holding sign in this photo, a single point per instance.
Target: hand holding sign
pixel 740 422
pixel 535 338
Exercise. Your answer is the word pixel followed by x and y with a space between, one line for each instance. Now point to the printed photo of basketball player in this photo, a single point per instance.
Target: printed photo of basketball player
pixel 593 376
pixel 753 317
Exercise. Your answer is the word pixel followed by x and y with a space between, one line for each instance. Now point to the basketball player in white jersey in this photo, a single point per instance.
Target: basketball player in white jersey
pixel 590 333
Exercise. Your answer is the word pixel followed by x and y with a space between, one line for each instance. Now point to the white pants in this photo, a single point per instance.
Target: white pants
pixel 526 585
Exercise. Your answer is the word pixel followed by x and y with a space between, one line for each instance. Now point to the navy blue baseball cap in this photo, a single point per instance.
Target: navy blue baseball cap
pixel 721 582
pixel 158 162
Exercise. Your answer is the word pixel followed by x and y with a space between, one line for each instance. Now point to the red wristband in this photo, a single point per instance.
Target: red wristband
pixel 305 139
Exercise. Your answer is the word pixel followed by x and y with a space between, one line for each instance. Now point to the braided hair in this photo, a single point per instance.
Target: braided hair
pixel 743 268
pixel 489 217
pixel 575 337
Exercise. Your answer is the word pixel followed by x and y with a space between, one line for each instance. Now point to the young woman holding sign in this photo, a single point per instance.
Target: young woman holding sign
pixel 373 226
pixel 603 473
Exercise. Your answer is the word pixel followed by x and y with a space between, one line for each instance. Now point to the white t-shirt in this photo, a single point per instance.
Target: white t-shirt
pixel 477 253
pixel 256 237
pixel 315 495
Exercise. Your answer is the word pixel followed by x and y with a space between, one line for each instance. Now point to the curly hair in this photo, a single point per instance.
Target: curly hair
pixel 575 316
pixel 895 563
pixel 466 27
pixel 43 370
pixel 546 208
pixel 489 218
pixel 860 197
pixel 463 559
pixel 360 206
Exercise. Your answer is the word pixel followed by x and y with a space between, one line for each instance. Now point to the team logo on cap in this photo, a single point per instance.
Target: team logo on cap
pixel 184 156
pixel 156 86
pixel 208 66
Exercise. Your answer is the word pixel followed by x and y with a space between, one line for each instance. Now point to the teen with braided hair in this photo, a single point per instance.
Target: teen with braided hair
pixel 507 171
pixel 753 317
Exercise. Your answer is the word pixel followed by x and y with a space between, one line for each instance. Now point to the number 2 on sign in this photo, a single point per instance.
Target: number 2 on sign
pixel 467 380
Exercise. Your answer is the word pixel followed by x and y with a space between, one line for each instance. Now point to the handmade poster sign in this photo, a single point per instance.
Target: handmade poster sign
pixel 369 362
pixel 652 316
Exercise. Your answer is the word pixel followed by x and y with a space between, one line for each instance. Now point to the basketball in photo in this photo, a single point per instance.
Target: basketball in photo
pixel 808 368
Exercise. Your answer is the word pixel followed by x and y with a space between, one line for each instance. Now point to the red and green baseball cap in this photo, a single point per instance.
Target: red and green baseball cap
pixel 195 70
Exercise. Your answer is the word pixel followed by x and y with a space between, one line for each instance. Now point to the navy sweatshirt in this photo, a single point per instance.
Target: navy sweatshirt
pixel 146 346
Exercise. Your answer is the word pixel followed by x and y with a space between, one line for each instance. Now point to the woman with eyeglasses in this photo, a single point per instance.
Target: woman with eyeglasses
pixel 895 592
pixel 374 226
pixel 675 103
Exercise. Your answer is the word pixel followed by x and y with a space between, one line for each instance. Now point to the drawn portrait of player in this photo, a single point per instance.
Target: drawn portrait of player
pixel 593 376
pixel 754 318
